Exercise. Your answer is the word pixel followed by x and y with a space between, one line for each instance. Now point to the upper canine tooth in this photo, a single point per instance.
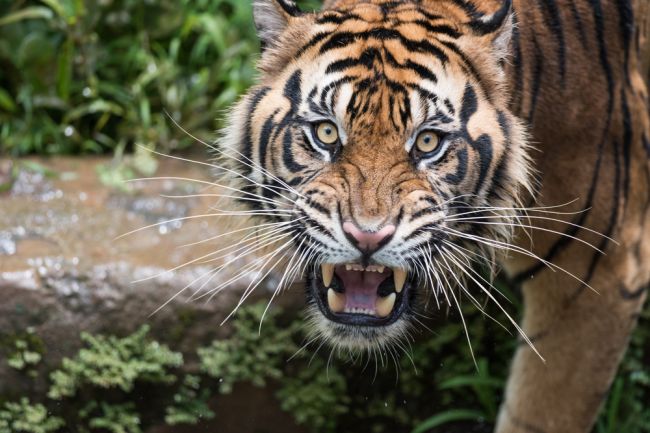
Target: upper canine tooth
pixel 328 273
pixel 384 306
pixel 399 277
pixel 336 301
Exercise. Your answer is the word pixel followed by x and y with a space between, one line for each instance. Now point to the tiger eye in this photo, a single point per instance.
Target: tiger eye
pixel 327 133
pixel 427 142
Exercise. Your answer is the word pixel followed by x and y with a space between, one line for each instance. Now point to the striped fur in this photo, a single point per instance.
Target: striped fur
pixel 539 103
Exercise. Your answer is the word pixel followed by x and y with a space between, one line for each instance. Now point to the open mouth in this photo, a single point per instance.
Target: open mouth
pixel 354 294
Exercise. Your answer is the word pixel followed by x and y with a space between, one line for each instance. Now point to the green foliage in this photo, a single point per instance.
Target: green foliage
pixel 92 76
pixel 115 418
pixel 25 352
pixel 190 403
pixel 129 384
pixel 315 396
pixel 23 417
pixel 254 354
pixel 111 362
pixel 626 409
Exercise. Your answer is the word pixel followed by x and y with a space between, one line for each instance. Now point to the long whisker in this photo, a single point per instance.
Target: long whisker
pixel 533 217
pixel 210 215
pixel 220 151
pixel 201 182
pixel 509 247
pixel 582 241
pixel 514 322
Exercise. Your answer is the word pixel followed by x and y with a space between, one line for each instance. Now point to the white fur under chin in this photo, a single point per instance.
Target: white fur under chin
pixel 356 338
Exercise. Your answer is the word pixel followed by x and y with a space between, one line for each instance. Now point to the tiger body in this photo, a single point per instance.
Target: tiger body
pixel 533 105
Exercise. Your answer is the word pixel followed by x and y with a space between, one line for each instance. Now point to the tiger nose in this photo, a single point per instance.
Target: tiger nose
pixel 368 242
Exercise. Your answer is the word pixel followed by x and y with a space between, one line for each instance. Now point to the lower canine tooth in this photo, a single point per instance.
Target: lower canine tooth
pixel 384 306
pixel 328 273
pixel 399 277
pixel 336 301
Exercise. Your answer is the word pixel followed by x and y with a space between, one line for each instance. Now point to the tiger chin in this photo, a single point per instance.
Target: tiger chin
pixel 385 149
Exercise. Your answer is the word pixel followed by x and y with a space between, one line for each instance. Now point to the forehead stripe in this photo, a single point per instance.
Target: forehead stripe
pixel 343 39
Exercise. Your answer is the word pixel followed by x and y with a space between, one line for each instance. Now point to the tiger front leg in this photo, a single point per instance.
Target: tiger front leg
pixel 582 336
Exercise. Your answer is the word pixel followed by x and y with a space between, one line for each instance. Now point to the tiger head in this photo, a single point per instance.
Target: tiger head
pixel 375 129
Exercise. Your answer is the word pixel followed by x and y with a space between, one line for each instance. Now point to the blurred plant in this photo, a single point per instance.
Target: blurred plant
pixel 484 388
pixel 26 353
pixel 115 418
pixel 23 417
pixel 316 396
pixel 253 354
pixel 128 384
pixel 111 362
pixel 91 76
pixel 190 403
pixel 626 408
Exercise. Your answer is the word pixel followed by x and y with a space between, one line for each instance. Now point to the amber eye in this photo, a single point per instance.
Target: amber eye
pixel 327 133
pixel 427 142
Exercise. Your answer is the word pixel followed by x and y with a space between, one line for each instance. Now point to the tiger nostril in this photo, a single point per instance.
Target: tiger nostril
pixel 366 241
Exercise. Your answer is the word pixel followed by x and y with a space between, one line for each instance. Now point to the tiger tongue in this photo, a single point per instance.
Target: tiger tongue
pixel 361 291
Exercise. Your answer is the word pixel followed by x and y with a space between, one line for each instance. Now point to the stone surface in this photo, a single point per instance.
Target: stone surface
pixel 63 268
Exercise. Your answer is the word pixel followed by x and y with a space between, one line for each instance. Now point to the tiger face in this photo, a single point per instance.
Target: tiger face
pixel 375 127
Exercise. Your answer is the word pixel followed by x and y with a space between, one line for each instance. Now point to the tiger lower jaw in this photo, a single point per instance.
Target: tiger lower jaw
pixel 351 295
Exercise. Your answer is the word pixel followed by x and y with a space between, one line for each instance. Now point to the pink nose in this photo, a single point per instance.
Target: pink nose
pixel 368 242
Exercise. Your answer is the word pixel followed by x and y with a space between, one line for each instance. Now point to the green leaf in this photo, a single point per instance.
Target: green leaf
pixel 479 381
pixel 57 7
pixel 30 13
pixel 6 101
pixel 97 106
pixel 64 70
pixel 447 417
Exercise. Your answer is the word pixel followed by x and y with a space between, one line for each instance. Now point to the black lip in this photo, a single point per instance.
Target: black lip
pixel 318 292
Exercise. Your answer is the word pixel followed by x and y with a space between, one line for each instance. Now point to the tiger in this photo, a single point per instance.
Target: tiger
pixel 388 146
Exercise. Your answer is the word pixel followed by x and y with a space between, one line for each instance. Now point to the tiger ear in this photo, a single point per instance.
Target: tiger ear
pixel 272 17
pixel 499 25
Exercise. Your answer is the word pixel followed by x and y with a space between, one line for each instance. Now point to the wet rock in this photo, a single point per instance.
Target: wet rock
pixel 64 268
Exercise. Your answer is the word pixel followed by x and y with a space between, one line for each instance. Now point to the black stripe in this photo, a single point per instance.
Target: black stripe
pixel 626 25
pixel 469 65
pixel 559 245
pixel 482 26
pixel 343 39
pixel 367 59
pixel 627 144
pixel 518 66
pixel 483 144
pixel 578 22
pixel 424 72
pixel 247 149
pixel 631 295
pixel 265 138
pixel 554 23
pixel 287 153
pixel 461 169
pixel 289 7
pixel 498 178
pixel 437 28
pixel 536 79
